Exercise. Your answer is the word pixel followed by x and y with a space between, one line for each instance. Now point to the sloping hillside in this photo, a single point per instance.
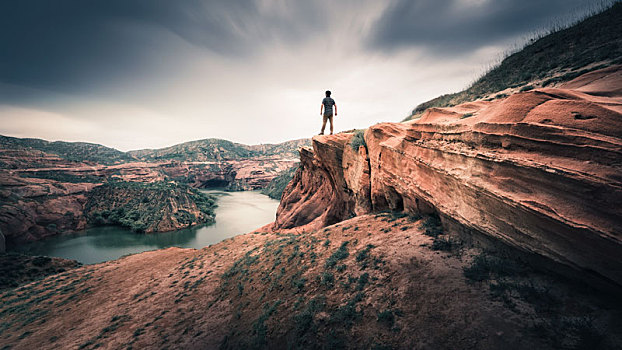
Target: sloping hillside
pixel 217 149
pixel 71 151
pixel 591 44
pixel 372 282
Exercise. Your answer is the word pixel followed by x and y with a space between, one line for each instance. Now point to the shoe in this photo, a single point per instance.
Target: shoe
pixel 321 133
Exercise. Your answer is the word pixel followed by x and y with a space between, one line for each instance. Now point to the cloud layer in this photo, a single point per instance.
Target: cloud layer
pixel 150 73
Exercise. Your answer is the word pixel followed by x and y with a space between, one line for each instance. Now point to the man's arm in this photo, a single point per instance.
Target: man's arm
pixel 335 108
pixel 321 108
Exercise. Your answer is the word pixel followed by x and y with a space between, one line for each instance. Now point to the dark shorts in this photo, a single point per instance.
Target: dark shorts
pixel 327 117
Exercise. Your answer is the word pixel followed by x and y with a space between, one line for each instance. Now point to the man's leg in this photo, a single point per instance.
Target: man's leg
pixel 324 118
pixel 331 124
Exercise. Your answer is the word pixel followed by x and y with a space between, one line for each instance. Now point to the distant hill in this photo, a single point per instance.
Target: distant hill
pixel 593 43
pixel 217 149
pixel 72 151
pixel 193 151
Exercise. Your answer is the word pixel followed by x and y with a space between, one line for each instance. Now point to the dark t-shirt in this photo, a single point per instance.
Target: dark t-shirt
pixel 328 105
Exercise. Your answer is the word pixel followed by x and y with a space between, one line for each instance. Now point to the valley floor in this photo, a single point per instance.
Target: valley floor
pixel 375 281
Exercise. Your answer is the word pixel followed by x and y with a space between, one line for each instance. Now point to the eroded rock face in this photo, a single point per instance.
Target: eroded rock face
pixel 42 195
pixel 32 209
pixel 539 170
pixel 331 184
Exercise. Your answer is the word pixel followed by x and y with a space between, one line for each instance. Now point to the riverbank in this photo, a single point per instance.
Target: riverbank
pixel 237 213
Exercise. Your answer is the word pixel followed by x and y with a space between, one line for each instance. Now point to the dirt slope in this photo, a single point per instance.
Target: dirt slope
pixel 375 281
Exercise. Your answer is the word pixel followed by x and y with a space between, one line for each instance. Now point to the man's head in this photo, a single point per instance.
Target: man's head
pixel 327 93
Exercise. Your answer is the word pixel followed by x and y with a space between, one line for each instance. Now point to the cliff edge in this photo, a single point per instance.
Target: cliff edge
pixel 540 170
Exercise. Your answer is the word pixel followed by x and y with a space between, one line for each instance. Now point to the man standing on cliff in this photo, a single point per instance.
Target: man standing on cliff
pixel 327 106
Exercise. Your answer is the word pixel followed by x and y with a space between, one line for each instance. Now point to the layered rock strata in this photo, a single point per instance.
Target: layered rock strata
pixel 539 170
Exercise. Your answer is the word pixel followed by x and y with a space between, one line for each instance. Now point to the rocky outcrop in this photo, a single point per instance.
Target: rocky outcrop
pixel 42 194
pixel 539 171
pixel 32 209
pixel 321 193
pixel 148 207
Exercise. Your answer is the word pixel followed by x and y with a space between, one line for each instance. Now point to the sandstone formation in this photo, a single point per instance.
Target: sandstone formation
pixel 148 207
pixel 539 170
pixel 32 209
pixel 44 185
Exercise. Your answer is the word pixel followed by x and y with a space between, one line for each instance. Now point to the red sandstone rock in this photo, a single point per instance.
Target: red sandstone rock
pixel 33 208
pixel 539 170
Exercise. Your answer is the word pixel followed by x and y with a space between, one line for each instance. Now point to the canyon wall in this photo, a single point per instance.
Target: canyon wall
pixel 540 171
pixel 44 194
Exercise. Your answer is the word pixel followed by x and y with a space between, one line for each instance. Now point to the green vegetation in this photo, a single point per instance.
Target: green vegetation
pixel 72 151
pixel 303 321
pixel 259 327
pixel 276 187
pixel 432 226
pixel 443 244
pixel 363 256
pixel 362 281
pixel 526 88
pixel 16 269
pixel 301 294
pixel 557 321
pixel 217 149
pixel 561 55
pixel 339 254
pixel 327 279
pixel 60 176
pixel 358 139
pixel 486 266
pixel 142 206
pixel 387 318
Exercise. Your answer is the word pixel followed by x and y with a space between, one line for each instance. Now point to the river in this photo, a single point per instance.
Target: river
pixel 237 213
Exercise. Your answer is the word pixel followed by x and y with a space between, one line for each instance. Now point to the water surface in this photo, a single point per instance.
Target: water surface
pixel 237 213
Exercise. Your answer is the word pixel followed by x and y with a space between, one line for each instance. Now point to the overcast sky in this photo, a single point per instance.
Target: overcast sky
pixel 136 74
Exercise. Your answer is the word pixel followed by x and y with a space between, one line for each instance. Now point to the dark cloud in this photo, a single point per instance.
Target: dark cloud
pixel 76 45
pixel 457 26
pixel 49 48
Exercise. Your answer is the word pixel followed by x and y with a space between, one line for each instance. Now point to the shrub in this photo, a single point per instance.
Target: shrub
pixel 443 244
pixel 259 326
pixel 526 88
pixel 358 140
pixel 304 320
pixel 484 266
pixel 345 315
pixel 339 254
pixel 362 282
pixel 387 318
pixel 363 255
pixel 432 226
pixel 328 279
pixel 41 261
